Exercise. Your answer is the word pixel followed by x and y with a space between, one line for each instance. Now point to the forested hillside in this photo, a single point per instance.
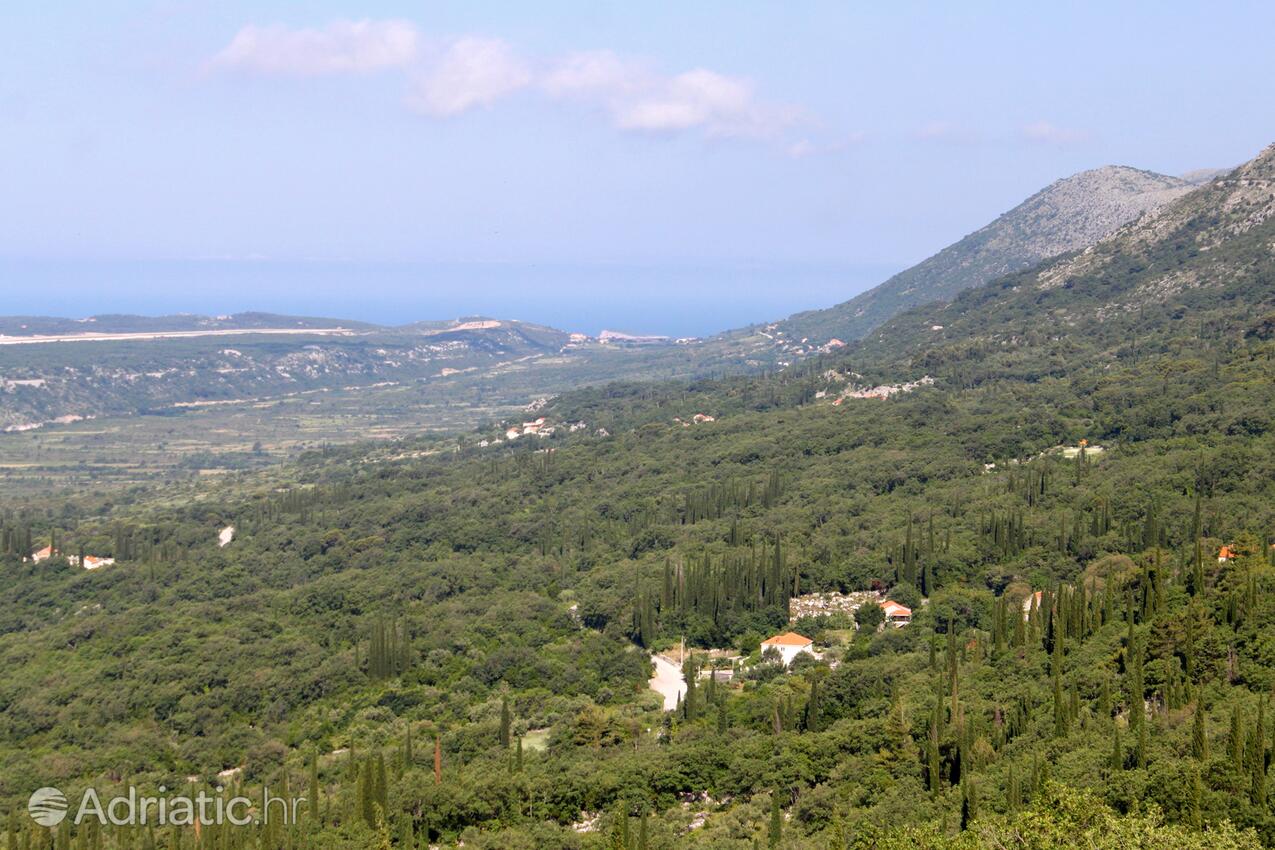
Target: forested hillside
pixel 440 647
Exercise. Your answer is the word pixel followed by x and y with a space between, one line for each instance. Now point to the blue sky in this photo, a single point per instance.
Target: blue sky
pixel 555 157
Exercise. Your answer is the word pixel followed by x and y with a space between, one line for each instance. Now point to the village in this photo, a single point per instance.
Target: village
pixel 779 651
pixel 89 562
pixel 786 649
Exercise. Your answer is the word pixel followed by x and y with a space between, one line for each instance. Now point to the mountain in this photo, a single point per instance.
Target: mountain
pixel 1068 215
pixel 1203 258
pixel 149 364
pixel 441 641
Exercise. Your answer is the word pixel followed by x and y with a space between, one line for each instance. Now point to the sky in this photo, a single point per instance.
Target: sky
pixel 658 167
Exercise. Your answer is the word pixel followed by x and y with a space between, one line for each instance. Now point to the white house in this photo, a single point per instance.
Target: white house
pixel 789 645
pixel 91 562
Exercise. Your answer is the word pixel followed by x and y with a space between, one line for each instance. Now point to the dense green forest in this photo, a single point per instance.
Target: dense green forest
pixel 444 646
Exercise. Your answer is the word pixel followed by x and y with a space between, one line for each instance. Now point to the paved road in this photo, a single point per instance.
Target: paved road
pixel 668 682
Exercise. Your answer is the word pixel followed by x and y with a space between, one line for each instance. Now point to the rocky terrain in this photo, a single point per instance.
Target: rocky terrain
pixel 1068 215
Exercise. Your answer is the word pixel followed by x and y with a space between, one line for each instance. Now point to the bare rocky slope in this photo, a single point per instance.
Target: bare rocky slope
pixel 1204 262
pixel 1068 215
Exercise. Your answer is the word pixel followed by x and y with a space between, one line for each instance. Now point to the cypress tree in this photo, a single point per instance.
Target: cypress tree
pixel 1257 757
pixel 438 760
pixel 690 674
pixel 811 718
pixel 1199 737
pixel 1137 686
pixel 382 798
pixel 1235 742
pixel 933 761
pixel 506 723
pixel 366 793
pixel 1060 710
pixel 1116 762
pixel 969 802
pixel 1197 793
pixel 776 832
pixel 314 787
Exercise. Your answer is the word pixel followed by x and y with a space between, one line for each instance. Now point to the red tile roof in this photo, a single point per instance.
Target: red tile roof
pixel 894 609
pixel 788 639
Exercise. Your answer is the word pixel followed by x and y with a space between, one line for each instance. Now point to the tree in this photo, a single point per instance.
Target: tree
pixel 776 831
pixel 869 616
pixel 1197 793
pixel 314 788
pixel 1199 737
pixel 810 716
pixel 1235 742
pixel 969 802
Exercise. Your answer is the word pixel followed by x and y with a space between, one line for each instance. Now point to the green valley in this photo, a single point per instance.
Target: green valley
pixel 1066 474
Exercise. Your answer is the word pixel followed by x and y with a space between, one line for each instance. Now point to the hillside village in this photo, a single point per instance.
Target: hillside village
pixel 89 562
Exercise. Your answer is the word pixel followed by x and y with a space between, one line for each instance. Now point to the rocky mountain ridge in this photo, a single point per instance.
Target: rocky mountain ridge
pixel 1070 214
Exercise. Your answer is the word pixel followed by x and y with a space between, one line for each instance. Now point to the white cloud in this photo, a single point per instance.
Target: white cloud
pixel 471 72
pixel 342 47
pixel 597 74
pixel 946 131
pixel 449 77
pixel 699 98
pixel 803 148
pixel 1046 133
pixel 638 98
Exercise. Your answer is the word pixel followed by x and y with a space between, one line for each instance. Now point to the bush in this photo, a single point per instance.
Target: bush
pixel 869 616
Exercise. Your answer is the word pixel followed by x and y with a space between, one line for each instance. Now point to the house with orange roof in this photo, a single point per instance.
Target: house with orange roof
pixel 896 614
pixel 43 554
pixel 1226 554
pixel 91 562
pixel 789 645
